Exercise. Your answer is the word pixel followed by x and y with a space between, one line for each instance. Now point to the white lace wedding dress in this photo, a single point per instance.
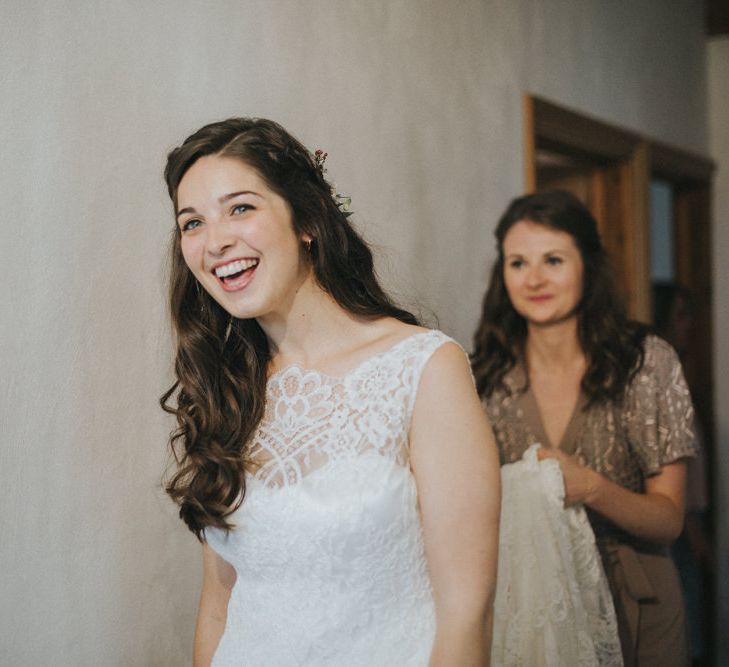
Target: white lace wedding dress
pixel 328 546
pixel 553 605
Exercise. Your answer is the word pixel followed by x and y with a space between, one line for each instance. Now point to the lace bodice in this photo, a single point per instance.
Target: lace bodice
pixel 327 545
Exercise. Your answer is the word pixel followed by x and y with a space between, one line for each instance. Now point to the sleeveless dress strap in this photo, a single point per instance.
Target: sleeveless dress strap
pixel 416 352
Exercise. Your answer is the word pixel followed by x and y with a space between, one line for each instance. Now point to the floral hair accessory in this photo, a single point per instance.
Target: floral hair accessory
pixel 320 157
pixel 342 201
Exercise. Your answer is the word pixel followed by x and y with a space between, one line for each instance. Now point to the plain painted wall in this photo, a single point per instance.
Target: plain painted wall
pixel 418 104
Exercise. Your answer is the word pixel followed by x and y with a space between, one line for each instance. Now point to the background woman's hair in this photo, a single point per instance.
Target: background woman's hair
pixel 612 344
pixel 218 397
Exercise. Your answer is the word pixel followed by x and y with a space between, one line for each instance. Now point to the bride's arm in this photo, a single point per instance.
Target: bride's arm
pixel 456 468
pixel 217 582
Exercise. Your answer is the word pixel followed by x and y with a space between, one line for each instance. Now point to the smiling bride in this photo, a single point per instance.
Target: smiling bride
pixel 331 455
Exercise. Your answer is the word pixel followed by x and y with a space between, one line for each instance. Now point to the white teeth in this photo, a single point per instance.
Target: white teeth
pixel 235 267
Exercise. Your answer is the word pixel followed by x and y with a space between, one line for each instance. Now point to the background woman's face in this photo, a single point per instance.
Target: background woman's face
pixel 543 272
pixel 237 237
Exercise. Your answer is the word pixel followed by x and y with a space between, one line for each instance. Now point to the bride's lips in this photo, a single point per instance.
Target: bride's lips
pixel 234 275
pixel 540 299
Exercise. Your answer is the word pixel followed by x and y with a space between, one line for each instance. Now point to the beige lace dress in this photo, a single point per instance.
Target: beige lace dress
pixel 652 427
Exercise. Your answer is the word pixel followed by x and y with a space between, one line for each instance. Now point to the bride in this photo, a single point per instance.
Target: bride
pixel 332 456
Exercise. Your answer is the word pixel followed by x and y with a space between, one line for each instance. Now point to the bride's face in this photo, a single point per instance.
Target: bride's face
pixel 238 239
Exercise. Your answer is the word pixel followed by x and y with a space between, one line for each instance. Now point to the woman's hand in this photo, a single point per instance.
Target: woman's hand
pixel 655 515
pixel 580 482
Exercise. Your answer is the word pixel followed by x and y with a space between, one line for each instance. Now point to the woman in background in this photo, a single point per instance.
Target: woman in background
pixel 333 458
pixel 556 362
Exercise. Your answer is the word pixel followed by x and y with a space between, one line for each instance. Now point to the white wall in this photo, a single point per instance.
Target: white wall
pixel 419 106
pixel 718 85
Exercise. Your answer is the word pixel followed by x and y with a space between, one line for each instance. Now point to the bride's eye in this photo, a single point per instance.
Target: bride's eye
pixel 191 224
pixel 239 209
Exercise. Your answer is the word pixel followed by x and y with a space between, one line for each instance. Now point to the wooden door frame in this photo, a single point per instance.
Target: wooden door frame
pixel 690 176
pixel 637 158
pixel 621 159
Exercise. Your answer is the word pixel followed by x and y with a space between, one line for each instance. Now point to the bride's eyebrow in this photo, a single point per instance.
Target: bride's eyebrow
pixel 233 195
pixel 182 211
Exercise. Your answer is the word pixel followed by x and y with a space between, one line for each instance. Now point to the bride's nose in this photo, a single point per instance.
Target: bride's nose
pixel 219 238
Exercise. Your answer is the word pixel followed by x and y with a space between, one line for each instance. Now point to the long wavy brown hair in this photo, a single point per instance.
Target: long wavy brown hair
pixel 612 344
pixel 218 396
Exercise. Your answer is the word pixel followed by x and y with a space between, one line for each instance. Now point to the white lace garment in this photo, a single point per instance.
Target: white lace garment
pixel 328 546
pixel 553 605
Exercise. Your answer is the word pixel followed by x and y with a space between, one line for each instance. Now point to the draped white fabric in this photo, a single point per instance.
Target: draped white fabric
pixel 553 605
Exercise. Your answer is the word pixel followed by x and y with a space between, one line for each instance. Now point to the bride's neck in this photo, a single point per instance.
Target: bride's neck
pixel 314 327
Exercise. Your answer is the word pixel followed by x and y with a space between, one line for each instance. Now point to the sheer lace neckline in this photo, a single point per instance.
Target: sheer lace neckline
pixel 299 368
pixel 312 419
